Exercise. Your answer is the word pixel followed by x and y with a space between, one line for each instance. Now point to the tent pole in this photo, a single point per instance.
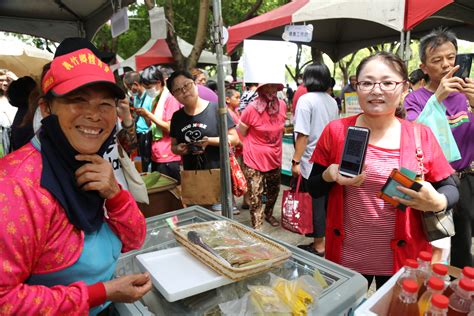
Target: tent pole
pixel 402 46
pixel 407 48
pixel 226 193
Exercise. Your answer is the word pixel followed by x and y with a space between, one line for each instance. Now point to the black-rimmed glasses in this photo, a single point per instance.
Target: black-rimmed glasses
pixel 386 85
pixel 185 87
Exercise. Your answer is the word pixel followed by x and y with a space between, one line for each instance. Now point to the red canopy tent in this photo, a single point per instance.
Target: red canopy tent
pixel 159 53
pixel 343 26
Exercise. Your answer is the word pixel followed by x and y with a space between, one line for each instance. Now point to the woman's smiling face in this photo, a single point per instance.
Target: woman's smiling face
pixel 86 116
pixel 377 102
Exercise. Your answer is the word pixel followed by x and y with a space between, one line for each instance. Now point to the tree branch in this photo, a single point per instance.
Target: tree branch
pixel 171 39
pixel 201 34
pixel 251 13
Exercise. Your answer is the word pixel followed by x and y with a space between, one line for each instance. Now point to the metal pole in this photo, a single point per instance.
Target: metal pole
pixel 226 192
pixel 402 46
pixel 407 48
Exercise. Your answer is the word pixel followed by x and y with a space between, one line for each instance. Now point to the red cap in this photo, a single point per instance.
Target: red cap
pixel 424 255
pixel 440 301
pixel 467 285
pixel 468 272
pixel 412 263
pixel 440 268
pixel 78 69
pixel 436 284
pixel 410 285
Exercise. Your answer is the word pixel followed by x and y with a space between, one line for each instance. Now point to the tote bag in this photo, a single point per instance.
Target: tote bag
pixel 135 183
pixel 434 116
pixel 201 187
pixel 297 210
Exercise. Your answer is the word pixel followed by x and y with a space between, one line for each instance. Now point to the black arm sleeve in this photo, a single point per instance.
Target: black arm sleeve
pixel 317 187
pixel 449 188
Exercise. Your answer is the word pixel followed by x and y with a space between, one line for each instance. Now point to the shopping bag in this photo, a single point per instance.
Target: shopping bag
pixel 239 183
pixel 297 210
pixel 135 183
pixel 201 187
pixel 434 116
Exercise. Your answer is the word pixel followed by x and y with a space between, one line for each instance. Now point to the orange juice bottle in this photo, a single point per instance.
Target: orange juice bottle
pixel 467 272
pixel 411 266
pixel 439 306
pixel 435 286
pixel 440 271
pixel 406 304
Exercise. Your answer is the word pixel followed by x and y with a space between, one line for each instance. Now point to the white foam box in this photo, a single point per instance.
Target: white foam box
pixel 379 302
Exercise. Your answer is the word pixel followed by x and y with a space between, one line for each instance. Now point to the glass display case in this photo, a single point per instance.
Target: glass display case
pixel 346 288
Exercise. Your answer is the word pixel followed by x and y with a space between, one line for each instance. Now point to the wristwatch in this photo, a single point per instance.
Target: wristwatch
pixel 294 162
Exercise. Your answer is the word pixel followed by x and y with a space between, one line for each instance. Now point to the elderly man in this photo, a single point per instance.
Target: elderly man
pixel 438 53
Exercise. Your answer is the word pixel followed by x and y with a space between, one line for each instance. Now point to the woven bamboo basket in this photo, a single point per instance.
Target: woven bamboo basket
pixel 234 273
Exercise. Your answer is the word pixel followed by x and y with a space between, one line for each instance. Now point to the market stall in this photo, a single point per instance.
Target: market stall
pixel 345 288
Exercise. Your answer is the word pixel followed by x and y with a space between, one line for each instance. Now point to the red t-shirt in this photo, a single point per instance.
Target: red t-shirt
pixel 299 92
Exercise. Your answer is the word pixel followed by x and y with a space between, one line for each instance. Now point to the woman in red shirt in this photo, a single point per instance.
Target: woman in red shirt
pixel 363 232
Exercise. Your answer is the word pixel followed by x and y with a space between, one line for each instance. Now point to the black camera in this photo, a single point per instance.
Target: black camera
pixel 194 148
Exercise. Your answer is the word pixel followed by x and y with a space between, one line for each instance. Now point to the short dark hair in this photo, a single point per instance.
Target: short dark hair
pixel 132 76
pixel 389 58
pixel 174 75
pixel 436 38
pixel 212 84
pixel 152 75
pixel 317 78
pixel 230 92
pixel 416 75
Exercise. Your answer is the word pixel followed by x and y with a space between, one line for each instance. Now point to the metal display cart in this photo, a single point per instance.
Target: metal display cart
pixel 345 291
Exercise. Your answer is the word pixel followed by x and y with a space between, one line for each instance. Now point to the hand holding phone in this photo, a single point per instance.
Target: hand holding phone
pixel 465 62
pixel 355 148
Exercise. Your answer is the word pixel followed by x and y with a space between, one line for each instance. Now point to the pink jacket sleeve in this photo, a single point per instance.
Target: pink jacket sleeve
pixel 126 220
pixel 28 230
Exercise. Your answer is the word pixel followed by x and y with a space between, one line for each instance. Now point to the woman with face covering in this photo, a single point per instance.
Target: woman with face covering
pixel 363 232
pixel 262 125
pixel 64 217
pixel 162 108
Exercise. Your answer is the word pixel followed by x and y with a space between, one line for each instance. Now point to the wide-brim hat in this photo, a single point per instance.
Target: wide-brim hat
pixel 280 86
pixel 75 66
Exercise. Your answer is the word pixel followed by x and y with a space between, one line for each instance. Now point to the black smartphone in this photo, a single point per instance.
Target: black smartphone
pixel 355 147
pixel 465 62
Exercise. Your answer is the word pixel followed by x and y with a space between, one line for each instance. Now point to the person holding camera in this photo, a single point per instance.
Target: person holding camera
pixel 438 54
pixel 364 232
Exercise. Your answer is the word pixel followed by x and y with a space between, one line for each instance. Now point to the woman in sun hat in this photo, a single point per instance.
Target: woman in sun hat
pixel 262 125
pixel 65 220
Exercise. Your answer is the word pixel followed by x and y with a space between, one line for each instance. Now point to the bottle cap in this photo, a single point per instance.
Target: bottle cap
pixel 466 284
pixel 440 301
pixel 410 285
pixel 411 263
pixel 424 255
pixel 440 269
pixel 468 272
pixel 436 284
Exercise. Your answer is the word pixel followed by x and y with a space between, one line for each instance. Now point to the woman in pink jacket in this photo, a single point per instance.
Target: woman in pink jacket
pixel 65 220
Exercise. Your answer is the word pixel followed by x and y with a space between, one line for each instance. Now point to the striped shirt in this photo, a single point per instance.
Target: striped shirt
pixel 369 222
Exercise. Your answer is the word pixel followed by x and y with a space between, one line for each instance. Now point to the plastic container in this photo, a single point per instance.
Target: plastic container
pixel 435 286
pixel 411 266
pixel 406 303
pixel 467 273
pixel 460 301
pixel 439 271
pixel 424 269
pixel 439 306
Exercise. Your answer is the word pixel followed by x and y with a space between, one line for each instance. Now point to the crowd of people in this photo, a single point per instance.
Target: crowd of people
pixel 65 199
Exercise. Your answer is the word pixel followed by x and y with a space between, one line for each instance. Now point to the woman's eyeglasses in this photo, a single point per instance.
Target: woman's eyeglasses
pixel 183 88
pixel 384 85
